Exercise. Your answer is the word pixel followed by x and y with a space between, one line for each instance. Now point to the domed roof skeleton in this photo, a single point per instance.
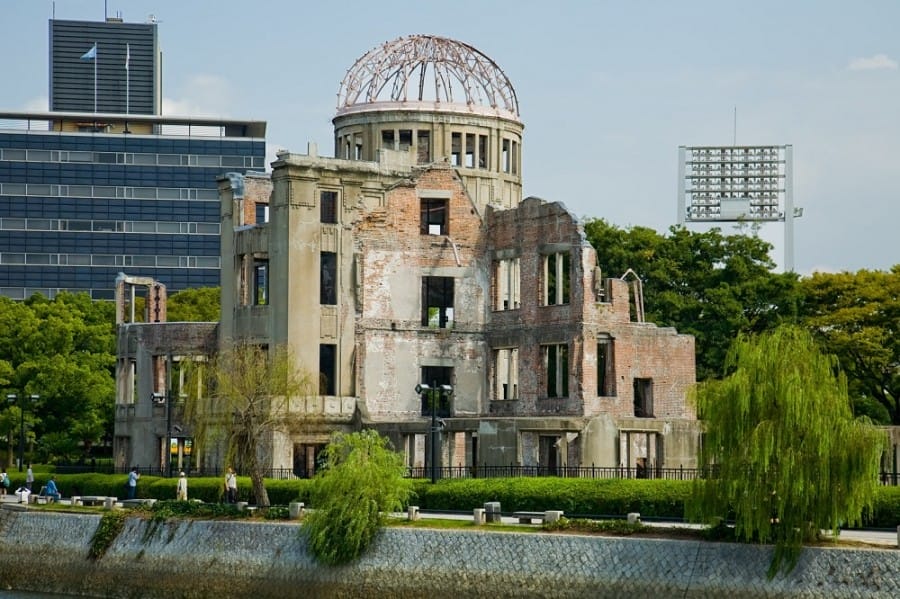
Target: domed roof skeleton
pixel 407 59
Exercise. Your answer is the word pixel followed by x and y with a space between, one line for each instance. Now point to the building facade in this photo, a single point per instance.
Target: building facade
pixel 123 77
pixel 86 196
pixel 433 304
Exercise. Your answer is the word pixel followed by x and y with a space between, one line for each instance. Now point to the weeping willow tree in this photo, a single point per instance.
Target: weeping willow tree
pixel 245 395
pixel 363 480
pixel 788 458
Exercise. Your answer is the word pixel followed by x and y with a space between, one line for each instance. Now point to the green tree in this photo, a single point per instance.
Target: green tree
pixel 194 305
pixel 249 399
pixel 789 459
pixel 706 284
pixel 363 480
pixel 63 350
pixel 857 317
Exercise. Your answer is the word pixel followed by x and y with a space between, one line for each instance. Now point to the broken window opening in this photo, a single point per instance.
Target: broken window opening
pixel 504 156
pixel 435 377
pixel 358 148
pixel 423 147
pixel 507 284
pixel 260 282
pixel 405 140
pixel 506 364
pixel 556 278
pixel 606 377
pixel 328 279
pixel 515 157
pixel 327 369
pixel 556 369
pixel 328 206
pixel 470 150
pixel 437 302
pixel 387 139
pixel 482 151
pixel 434 217
pixel 643 398
pixel 455 149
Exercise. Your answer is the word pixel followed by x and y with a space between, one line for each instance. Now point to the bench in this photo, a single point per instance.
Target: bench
pixel 529 517
pixel 91 499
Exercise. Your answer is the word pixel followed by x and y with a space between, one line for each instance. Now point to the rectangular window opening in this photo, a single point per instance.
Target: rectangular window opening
pixel 328 279
pixel 556 370
pixel 506 366
pixel 606 378
pixel 643 398
pixel 260 282
pixel 434 377
pixel 405 139
pixel 455 149
pixel 387 139
pixel 434 217
pixel 327 369
pixel 437 302
pixel 423 147
pixel 328 206
pixel 482 151
pixel 470 150
pixel 556 279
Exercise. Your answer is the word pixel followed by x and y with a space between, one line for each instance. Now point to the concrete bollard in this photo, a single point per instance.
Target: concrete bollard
pixel 76 500
pixel 634 517
pixel 296 510
pixel 478 516
pixel 552 516
pixel 241 506
pixel 412 513
pixel 109 503
pixel 492 511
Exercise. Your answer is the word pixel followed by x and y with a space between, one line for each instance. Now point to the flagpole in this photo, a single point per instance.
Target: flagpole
pixel 96 60
pixel 127 77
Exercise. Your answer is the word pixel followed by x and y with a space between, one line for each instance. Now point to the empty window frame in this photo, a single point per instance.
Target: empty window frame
pixel 606 376
pixel 434 377
pixel 423 147
pixel 328 201
pixel 506 274
pixel 643 398
pixel 327 369
pixel 470 150
pixel 405 139
pixel 260 282
pixel 506 377
pixel 505 156
pixel 556 370
pixel 328 278
pixel 437 302
pixel 556 278
pixel 387 139
pixel 456 149
pixel 357 148
pixel 434 220
pixel 482 151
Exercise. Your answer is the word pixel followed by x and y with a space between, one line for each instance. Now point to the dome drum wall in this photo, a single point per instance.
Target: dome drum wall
pixel 481 137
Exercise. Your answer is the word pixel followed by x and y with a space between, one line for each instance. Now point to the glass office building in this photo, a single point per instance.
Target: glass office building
pixel 84 197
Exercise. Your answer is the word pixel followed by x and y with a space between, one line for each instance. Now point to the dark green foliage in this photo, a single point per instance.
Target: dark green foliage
pixel 361 483
pixel 111 524
pixel 164 510
pixel 595 497
pixel 615 527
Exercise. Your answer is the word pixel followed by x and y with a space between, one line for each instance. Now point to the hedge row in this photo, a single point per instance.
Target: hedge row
pixel 597 498
pixel 576 497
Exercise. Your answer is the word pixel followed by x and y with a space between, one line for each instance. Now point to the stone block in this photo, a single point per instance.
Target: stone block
pixel 478 516
pixel 296 510
pixel 412 513
pixel 492 511
pixel 552 515
pixel 634 517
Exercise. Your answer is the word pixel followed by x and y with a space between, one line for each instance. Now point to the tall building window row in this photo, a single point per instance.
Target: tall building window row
pixel 22 259
pixel 109 226
pixel 137 158
pixel 108 191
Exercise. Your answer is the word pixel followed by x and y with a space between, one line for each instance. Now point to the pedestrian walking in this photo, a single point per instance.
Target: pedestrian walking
pixel 133 477
pixel 181 488
pixel 230 486
pixel 29 478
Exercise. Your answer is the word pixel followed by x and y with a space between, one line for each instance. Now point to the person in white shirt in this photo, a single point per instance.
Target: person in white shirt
pixel 181 488
pixel 230 486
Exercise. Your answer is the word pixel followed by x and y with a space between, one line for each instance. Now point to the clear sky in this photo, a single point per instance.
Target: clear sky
pixel 607 91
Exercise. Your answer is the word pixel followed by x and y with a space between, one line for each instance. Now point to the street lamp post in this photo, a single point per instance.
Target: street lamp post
pixel 13 398
pixel 433 391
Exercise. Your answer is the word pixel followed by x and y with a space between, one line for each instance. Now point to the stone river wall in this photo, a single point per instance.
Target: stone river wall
pixel 48 552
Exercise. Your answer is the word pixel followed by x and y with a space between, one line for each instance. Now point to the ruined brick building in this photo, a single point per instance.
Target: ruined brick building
pixel 411 259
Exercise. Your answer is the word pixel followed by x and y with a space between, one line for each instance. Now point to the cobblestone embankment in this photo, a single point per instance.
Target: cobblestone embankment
pixel 48 552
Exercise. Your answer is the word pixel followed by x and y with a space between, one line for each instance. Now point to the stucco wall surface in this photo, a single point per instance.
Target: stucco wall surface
pixel 49 553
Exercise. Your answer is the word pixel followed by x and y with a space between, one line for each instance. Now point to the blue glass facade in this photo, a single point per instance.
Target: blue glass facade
pixel 77 208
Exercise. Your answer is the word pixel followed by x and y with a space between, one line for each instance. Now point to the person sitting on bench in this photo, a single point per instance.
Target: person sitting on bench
pixel 50 489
